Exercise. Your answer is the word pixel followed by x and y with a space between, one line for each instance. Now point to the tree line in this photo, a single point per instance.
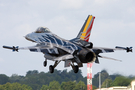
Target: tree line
pixel 111 80
pixel 60 80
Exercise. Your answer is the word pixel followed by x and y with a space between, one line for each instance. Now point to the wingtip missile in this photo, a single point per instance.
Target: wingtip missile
pixel 12 48
pixel 128 49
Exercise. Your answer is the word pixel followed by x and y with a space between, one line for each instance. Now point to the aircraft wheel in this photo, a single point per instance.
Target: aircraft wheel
pixel 76 68
pixel 51 69
pixel 45 63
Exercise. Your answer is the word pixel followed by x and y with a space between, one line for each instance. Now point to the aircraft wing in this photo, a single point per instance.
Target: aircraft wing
pixel 98 50
pixel 102 50
pixel 31 48
pixel 45 49
pixel 52 50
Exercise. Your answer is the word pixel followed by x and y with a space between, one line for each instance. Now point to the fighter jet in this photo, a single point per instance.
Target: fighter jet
pixel 74 52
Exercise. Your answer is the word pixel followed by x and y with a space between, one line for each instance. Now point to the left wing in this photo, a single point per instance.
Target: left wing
pixel 106 50
pixel 98 50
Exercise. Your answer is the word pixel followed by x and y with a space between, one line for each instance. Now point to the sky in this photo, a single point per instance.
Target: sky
pixel 114 25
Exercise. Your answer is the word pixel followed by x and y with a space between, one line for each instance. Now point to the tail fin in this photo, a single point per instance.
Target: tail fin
pixel 85 31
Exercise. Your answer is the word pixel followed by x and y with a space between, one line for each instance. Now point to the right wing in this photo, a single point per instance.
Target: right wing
pixel 37 48
pixel 60 53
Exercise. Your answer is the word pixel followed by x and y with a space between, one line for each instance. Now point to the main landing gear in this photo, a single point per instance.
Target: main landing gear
pixel 75 68
pixel 51 67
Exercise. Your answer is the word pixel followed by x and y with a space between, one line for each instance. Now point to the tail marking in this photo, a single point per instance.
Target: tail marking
pixel 86 29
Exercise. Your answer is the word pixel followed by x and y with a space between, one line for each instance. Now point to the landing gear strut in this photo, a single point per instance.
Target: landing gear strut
pixel 51 68
pixel 75 68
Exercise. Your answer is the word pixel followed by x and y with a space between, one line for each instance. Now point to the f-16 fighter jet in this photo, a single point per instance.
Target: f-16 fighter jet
pixel 78 50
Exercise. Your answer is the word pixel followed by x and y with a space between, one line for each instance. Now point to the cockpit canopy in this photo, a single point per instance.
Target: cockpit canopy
pixel 42 30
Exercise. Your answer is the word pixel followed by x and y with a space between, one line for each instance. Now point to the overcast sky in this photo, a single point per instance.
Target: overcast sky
pixel 114 25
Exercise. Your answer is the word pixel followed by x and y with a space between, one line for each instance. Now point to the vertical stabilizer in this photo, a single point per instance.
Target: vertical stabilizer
pixel 85 31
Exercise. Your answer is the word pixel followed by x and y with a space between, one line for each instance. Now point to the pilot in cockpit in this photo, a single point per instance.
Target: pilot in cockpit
pixel 42 30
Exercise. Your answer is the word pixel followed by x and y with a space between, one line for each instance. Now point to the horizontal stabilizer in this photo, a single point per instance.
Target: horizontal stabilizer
pixel 109 58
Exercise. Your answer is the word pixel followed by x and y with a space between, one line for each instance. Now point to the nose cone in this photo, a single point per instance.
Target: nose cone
pixel 28 37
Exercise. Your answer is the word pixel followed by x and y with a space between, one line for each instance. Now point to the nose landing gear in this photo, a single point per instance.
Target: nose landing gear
pixel 51 67
pixel 45 63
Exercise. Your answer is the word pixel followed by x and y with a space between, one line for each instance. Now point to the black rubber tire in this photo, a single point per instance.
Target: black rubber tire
pixel 45 63
pixel 51 69
pixel 76 68
pixel 91 45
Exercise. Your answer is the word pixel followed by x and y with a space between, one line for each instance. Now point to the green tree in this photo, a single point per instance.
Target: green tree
pixel 45 87
pixel 107 83
pixel 26 87
pixel 95 81
pixel 16 78
pixel 34 72
pixel 104 75
pixel 68 85
pixel 14 86
pixel 94 87
pixel 80 86
pixel 121 81
pixel 54 85
pixel 2 88
pixel 7 86
pixel 3 79
pixel 114 76
pixel 32 79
